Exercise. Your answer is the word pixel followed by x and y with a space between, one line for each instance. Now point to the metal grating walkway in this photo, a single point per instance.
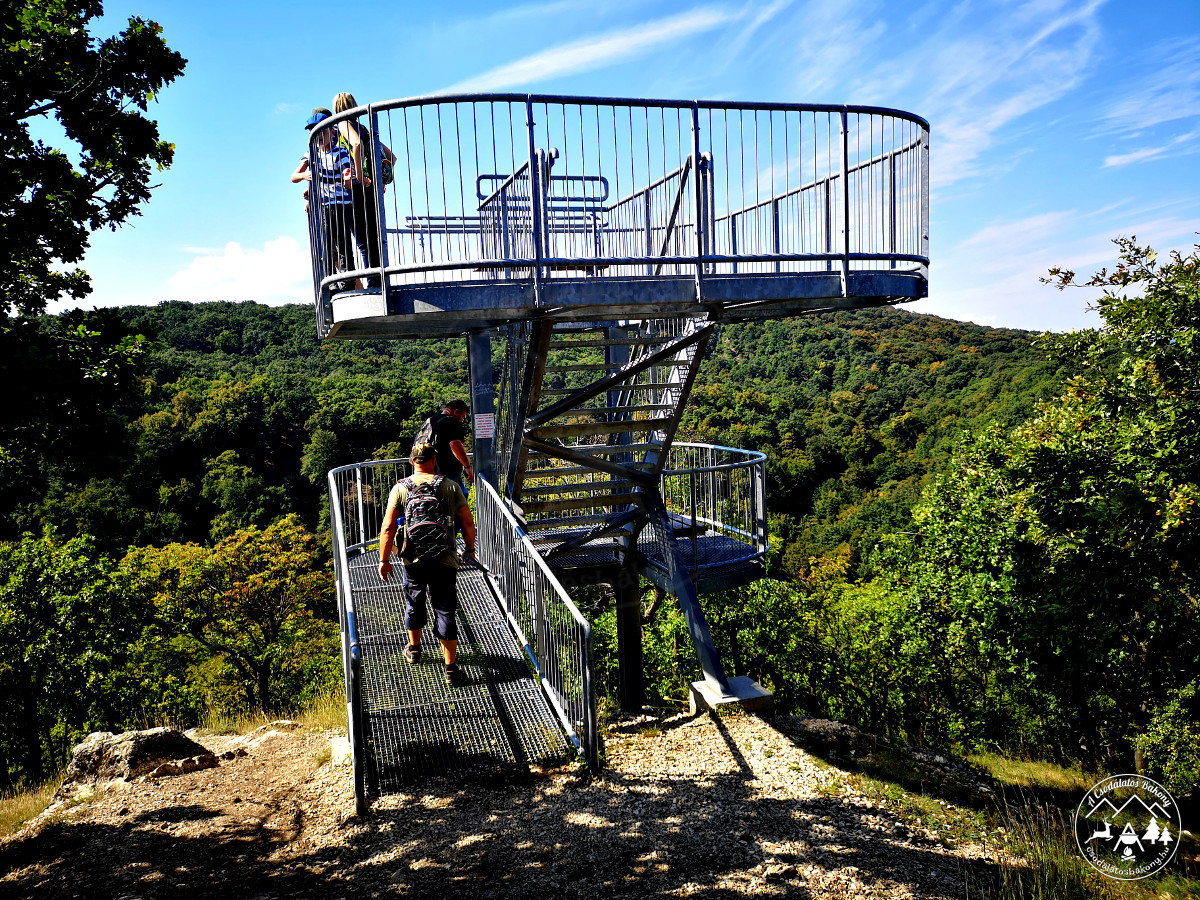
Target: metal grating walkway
pixel 414 725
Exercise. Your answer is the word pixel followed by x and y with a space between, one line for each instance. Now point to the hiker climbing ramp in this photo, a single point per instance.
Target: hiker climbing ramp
pixel 523 646
pixel 601 242
pixel 414 725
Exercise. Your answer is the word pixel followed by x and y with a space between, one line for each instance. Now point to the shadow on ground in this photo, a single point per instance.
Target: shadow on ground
pixel 614 836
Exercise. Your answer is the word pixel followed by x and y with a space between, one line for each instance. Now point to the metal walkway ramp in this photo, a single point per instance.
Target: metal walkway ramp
pixel 415 726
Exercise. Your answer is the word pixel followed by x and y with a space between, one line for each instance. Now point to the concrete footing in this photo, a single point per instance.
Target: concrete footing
pixel 747 692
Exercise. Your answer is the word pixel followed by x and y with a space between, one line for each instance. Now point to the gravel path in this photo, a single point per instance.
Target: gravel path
pixel 705 807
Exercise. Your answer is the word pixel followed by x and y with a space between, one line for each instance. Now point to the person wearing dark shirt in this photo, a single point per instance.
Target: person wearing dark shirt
pixel 447 434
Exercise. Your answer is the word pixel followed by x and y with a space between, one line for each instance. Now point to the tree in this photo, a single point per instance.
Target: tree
pixel 99 91
pixel 248 601
pixel 1055 576
pixel 65 631
pixel 79 373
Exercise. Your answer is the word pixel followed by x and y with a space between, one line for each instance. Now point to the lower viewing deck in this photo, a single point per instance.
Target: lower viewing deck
pixel 414 725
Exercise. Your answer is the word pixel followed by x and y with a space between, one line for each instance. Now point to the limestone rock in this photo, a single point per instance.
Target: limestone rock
pixel 104 756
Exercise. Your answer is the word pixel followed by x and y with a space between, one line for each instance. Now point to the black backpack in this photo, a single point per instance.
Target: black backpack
pixel 427 531
pixel 425 434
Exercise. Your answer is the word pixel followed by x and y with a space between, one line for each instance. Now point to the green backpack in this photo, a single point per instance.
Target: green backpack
pixel 368 160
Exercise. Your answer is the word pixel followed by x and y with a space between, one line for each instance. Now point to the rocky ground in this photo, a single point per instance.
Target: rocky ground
pixel 704 807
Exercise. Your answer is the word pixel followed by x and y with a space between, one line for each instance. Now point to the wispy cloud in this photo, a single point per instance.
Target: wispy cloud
pixel 1168 90
pixel 1184 143
pixel 972 70
pixel 597 51
pixel 992 276
pixel 278 273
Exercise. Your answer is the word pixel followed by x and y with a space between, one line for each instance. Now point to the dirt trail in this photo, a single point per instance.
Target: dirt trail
pixel 700 807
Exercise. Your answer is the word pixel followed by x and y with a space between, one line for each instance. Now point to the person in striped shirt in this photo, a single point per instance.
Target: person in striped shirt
pixel 331 176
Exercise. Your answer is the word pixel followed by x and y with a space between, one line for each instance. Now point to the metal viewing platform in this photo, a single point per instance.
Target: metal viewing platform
pixel 603 241
pixel 505 207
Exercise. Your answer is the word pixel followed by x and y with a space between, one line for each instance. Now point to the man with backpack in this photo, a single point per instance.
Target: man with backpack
pixel 426 504
pixel 445 431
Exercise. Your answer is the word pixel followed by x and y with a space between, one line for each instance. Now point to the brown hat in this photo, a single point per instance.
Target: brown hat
pixel 422 452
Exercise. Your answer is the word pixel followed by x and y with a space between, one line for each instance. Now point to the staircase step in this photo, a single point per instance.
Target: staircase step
pixel 600 450
pixel 585 367
pixel 593 502
pixel 565 522
pixel 582 429
pixel 655 386
pixel 610 342
pixel 574 487
pixel 608 410
pixel 567 471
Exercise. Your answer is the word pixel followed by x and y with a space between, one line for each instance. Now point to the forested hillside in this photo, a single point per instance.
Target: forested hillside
pixel 955 560
pixel 235 413
pixel 158 455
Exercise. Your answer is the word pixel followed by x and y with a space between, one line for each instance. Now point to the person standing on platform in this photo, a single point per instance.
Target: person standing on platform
pixel 445 431
pixel 334 171
pixel 425 504
pixel 355 138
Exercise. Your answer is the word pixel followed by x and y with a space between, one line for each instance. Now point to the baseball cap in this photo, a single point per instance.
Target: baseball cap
pixel 422 452
pixel 318 116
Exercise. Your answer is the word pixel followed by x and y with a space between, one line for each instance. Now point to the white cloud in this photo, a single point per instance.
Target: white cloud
pixel 1149 153
pixel 992 276
pixel 278 273
pixel 971 70
pixel 595 52
pixel 1168 91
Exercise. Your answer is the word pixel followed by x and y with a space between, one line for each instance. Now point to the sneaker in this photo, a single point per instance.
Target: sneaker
pixel 454 676
pixel 412 653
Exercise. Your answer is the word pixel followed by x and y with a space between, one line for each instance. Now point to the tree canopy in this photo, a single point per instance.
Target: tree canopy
pixel 53 197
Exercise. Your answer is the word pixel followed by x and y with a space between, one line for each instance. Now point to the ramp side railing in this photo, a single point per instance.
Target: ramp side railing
pixel 556 637
pixel 351 659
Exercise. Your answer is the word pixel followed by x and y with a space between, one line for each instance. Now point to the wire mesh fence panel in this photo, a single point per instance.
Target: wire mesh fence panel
pixel 553 631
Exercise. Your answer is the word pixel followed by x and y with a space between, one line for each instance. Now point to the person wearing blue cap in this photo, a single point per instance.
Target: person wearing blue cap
pixel 333 170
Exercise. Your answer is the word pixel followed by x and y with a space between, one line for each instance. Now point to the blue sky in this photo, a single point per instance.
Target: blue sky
pixel 1056 125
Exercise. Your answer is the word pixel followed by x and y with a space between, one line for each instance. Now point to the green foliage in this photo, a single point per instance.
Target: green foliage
pixel 65 632
pixel 1052 588
pixel 249 602
pixel 1171 742
pixel 855 410
pixel 98 91
pixel 78 375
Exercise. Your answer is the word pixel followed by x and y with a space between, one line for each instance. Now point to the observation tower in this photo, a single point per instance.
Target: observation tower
pixel 587 249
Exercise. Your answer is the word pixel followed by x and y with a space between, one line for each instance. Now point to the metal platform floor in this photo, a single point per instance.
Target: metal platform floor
pixel 414 725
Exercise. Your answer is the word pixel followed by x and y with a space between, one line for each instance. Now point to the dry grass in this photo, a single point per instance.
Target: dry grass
pixel 234 723
pixel 327 712
pixel 18 807
pixel 1034 775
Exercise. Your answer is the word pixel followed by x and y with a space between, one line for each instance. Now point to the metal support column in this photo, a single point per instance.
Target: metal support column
pixel 630 683
pixel 483 404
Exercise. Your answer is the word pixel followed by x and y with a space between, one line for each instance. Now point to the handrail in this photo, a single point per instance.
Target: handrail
pixel 727 497
pixel 753 457
pixel 351 658
pixel 783 189
pixel 558 648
